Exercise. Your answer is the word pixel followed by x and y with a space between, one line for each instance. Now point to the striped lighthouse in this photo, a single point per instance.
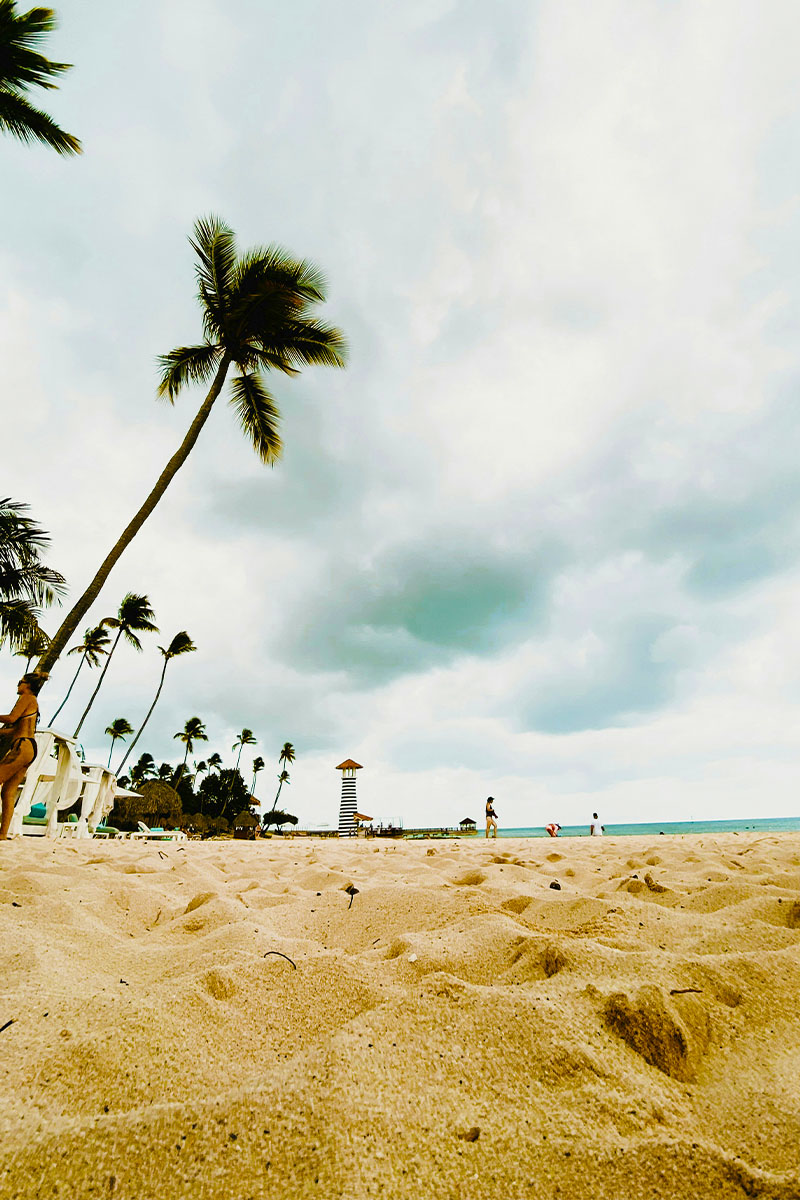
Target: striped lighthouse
pixel 347 805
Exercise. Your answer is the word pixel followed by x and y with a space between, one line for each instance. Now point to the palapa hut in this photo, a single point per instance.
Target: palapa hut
pixel 245 825
pixel 468 825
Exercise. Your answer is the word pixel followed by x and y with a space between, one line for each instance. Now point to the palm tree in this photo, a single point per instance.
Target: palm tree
pixel 258 765
pixel 215 762
pixel 257 316
pixel 133 617
pixel 34 645
pixel 22 67
pixel 245 738
pixel 193 731
pixel 26 585
pixel 118 730
pixel 180 644
pixel 285 758
pixel 91 650
pixel 282 779
pixel 141 770
pixel 200 768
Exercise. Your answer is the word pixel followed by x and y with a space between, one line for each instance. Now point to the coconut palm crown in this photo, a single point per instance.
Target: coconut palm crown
pixel 193 731
pixel 91 649
pixel 257 317
pixel 26 585
pixel 23 67
pixel 134 616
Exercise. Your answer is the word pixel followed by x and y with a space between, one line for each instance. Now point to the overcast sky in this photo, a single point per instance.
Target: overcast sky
pixel 540 540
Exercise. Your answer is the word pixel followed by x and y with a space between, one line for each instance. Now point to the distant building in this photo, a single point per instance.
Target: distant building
pixel 347 804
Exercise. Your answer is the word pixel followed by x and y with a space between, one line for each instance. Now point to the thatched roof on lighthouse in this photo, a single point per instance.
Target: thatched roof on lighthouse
pixel 349 765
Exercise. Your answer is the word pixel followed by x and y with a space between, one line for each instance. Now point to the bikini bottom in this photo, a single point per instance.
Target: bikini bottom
pixel 16 746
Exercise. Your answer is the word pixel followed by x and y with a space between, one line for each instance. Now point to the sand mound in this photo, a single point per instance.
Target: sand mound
pixel 288 1019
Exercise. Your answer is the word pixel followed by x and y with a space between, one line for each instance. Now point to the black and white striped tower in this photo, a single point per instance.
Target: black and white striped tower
pixel 347 805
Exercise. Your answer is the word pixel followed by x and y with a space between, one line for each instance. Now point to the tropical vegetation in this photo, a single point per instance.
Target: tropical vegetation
pixel 22 67
pixel 180 644
pixel 27 586
pixel 93 647
pixel 258 316
pixel 134 616
pixel 118 730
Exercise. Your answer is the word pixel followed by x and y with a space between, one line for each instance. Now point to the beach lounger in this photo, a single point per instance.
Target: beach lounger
pixel 157 834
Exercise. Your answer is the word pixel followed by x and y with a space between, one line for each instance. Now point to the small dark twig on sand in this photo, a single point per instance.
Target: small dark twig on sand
pixel 352 891
pixel 281 955
pixel 11 1022
pixel 161 854
pixel 683 991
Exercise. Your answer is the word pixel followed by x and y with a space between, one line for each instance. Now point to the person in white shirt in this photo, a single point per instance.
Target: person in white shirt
pixel 596 829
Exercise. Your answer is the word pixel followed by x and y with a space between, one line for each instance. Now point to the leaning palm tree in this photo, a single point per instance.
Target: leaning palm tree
pixel 180 644
pixel 245 738
pixel 134 616
pixel 258 765
pixel 34 645
pixel 257 316
pixel 118 730
pixel 285 758
pixel 282 779
pixel 193 731
pixel 92 648
pixel 26 585
pixel 21 68
pixel 215 762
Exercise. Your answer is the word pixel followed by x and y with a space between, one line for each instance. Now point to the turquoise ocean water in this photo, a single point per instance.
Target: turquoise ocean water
pixel 654 828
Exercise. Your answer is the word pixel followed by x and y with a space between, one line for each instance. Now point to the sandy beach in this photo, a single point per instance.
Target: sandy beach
pixel 454 1028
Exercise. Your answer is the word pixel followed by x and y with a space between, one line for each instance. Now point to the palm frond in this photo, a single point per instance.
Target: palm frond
pixel 273 267
pixel 21 66
pixel 186 364
pixel 19 118
pixel 180 644
pixel 18 622
pixel 258 415
pixel 214 243
pixel 304 342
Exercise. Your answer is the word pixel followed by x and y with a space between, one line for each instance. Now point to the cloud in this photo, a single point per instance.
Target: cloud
pixel 542 534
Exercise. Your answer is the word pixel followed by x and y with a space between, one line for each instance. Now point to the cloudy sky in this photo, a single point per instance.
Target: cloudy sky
pixel 541 538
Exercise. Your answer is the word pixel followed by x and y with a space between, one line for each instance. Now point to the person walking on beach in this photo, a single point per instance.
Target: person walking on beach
pixel 22 751
pixel 553 829
pixel 596 829
pixel 491 817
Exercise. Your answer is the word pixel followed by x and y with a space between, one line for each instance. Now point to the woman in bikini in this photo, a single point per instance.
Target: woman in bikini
pixel 22 751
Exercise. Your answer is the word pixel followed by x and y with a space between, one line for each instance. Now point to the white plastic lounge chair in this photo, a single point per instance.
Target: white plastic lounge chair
pixel 159 835
pixel 54 779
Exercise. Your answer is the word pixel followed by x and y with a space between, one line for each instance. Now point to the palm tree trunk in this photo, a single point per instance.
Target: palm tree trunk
pixel 80 609
pixel 147 718
pixel 277 794
pixel 110 751
pixel 69 689
pixel 99 682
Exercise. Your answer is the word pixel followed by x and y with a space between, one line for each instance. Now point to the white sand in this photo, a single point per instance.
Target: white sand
pixel 636 1034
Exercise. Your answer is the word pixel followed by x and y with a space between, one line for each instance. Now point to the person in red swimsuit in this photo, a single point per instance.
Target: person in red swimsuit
pixel 22 751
